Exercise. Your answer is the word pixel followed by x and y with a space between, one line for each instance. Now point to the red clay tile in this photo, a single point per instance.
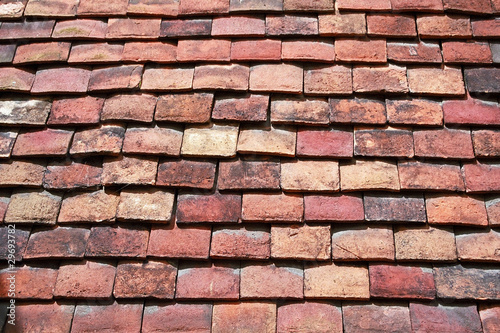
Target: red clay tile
pixel 163 141
pixel 16 79
pixel 243 174
pixel 4 202
pixel 80 28
pixel 208 281
pixel 89 207
pixel 210 141
pixel 59 242
pixel 149 205
pixel 267 207
pixel 129 170
pixel 160 52
pixel 247 107
pixel 300 111
pixel 276 78
pixel 361 111
pixel 365 318
pixel 414 112
pixel 485 28
pixel 396 281
pixel 255 5
pixel 486 143
pixel 177 317
pixel 482 177
pixel 7 139
pixel 186 173
pixel 376 5
pixel 125 77
pixel 261 281
pixel 421 52
pixel 18 245
pixel 383 142
pixel 361 50
pixel 430 176
pixel 309 317
pixel 167 78
pixel 458 282
pixel 283 25
pixel 104 140
pixel 470 246
pixel 251 316
pixel 443 26
pixel 53 317
pixel 39 207
pixel 342 24
pixel 466 52
pixel 238 26
pixel 436 81
pixel 135 107
pixel 456 210
pixel 7 52
pixel 95 53
pixel 369 175
pixel 456 318
pixel 302 175
pixel 471 111
pixel 240 243
pixel 300 242
pixel 125 28
pixel 61 80
pixel 12 9
pixel 493 209
pixel 443 143
pixel 324 143
pixel 151 279
pixel 328 80
pixel 21 173
pixel 380 79
pixel 483 80
pixel 221 77
pixel 273 141
pixel 164 8
pixel 362 243
pixel 479 6
pixel 72 175
pixel 30 282
pixel 390 25
pixel 186 28
pixel 425 243
pixel 102 7
pixel 48 142
pixel 258 49
pixel 196 208
pixel 186 108
pixel 312 5
pixel 108 316
pixel 79 110
pixel 177 242
pixel 42 52
pixel 26 29
pixel 204 50
pixel 197 7
pixel 308 50
pixel 117 241
pixel 339 208
pixel 490 315
pixel 424 6
pixel 394 208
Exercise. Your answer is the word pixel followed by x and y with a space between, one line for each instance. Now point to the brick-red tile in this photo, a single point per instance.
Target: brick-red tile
pixel 223 77
pixel 301 242
pixel 444 26
pixel 102 7
pixel 59 242
pixel 396 281
pixel 360 111
pixel 79 111
pixel 178 242
pixel 365 318
pixel 361 50
pixel 451 318
pixel 285 78
pixel 341 208
pixel 208 281
pixel 269 280
pixel 391 25
pixel 482 177
pixel 42 52
pixel 456 210
pixel 342 24
pixel 369 175
pixel 185 108
pixel 328 80
pixel 186 173
pixel 20 242
pixel 380 79
pixel 124 28
pixel 362 243
pixel 52 317
pixel 272 207
pixel 165 8
pixel 300 111
pixel 240 243
pixel 167 78
pixel 336 281
pixel 104 140
pixel 471 111
pixel 15 79
pixel 324 143
pixel 125 77
pixel 80 28
pixel 21 173
pixel 48 142
pixel 471 246
pixel 315 176
pixel 72 175
pixel 164 141
pixel 243 174
pixel 110 241
pixel 61 80
pixel 479 6
pixel 155 279
pixel 238 26
pixel 149 205
pixel 364 5
pixel 208 208
pixel 245 316
pixel 95 53
pixel 113 317
pixel 160 52
pixel 410 5
pixel 89 207
pixel 414 112
pixel 204 50
pixel 283 25
pixel 486 143
pixel 246 107
pixel 26 29
pixel 383 142
pixel 308 50
pixel 4 202
pixel 197 7
pixel 177 317
pixel 186 28
pixel 312 5
pixel 258 49
pixel 490 318
pixel 493 210
pixel 30 282
pixel 39 207
pixel 129 170
pixel 430 176
pixel 459 282
pixel 309 317
pixel 425 243
pixel 443 143
pixel 7 52
pixel 483 80
pixel 466 52
pixel 410 52
pixel 485 28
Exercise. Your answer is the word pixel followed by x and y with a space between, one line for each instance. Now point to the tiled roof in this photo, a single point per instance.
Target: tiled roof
pixel 250 165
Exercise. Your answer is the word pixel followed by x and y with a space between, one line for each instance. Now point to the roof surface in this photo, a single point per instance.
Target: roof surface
pixel 250 165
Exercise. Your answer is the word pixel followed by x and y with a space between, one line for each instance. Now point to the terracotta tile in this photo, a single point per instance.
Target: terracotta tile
pixel 365 318
pixel 240 243
pixel 177 317
pixel 160 52
pixel 77 279
pixel 59 242
pixel 16 79
pixel 283 25
pixel 185 28
pixel 309 316
pixel 443 26
pixel 369 175
pixel 221 77
pixel 361 111
pixel 196 208
pixel 42 52
pixel 328 80
pixel 163 141
pixel 342 24
pixel 114 316
pixel 339 208
pixel 391 25
pixel 238 26
pixel 241 107
pixel 51 316
pixel 324 143
pixel 104 140
pixel 243 174
pixel 96 53
pixel 146 205
pixel 186 173
pixel 471 246
pixel 316 176
pixel 129 170
pixel 300 242
pixel 256 49
pixel 31 283
pixel 425 243
pixel 300 111
pixel 210 141
pixel 234 317
pixel 273 141
pixel 167 78
pixel 80 28
pixel 428 52
pixel 269 207
pixel 454 318
pixel 61 80
pixel 276 78
pixel 20 242
pixel 414 112
pixel 482 80
pixel 126 77
pixel 122 28
pixel 22 173
pixel 39 207
pixel 89 207
pixel 481 177
pixel 456 210
pixel 362 243
pixel 79 110
pixel 361 50
pixel 380 79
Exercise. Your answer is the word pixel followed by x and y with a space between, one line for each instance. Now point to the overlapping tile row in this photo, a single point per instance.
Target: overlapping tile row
pixel 249 165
